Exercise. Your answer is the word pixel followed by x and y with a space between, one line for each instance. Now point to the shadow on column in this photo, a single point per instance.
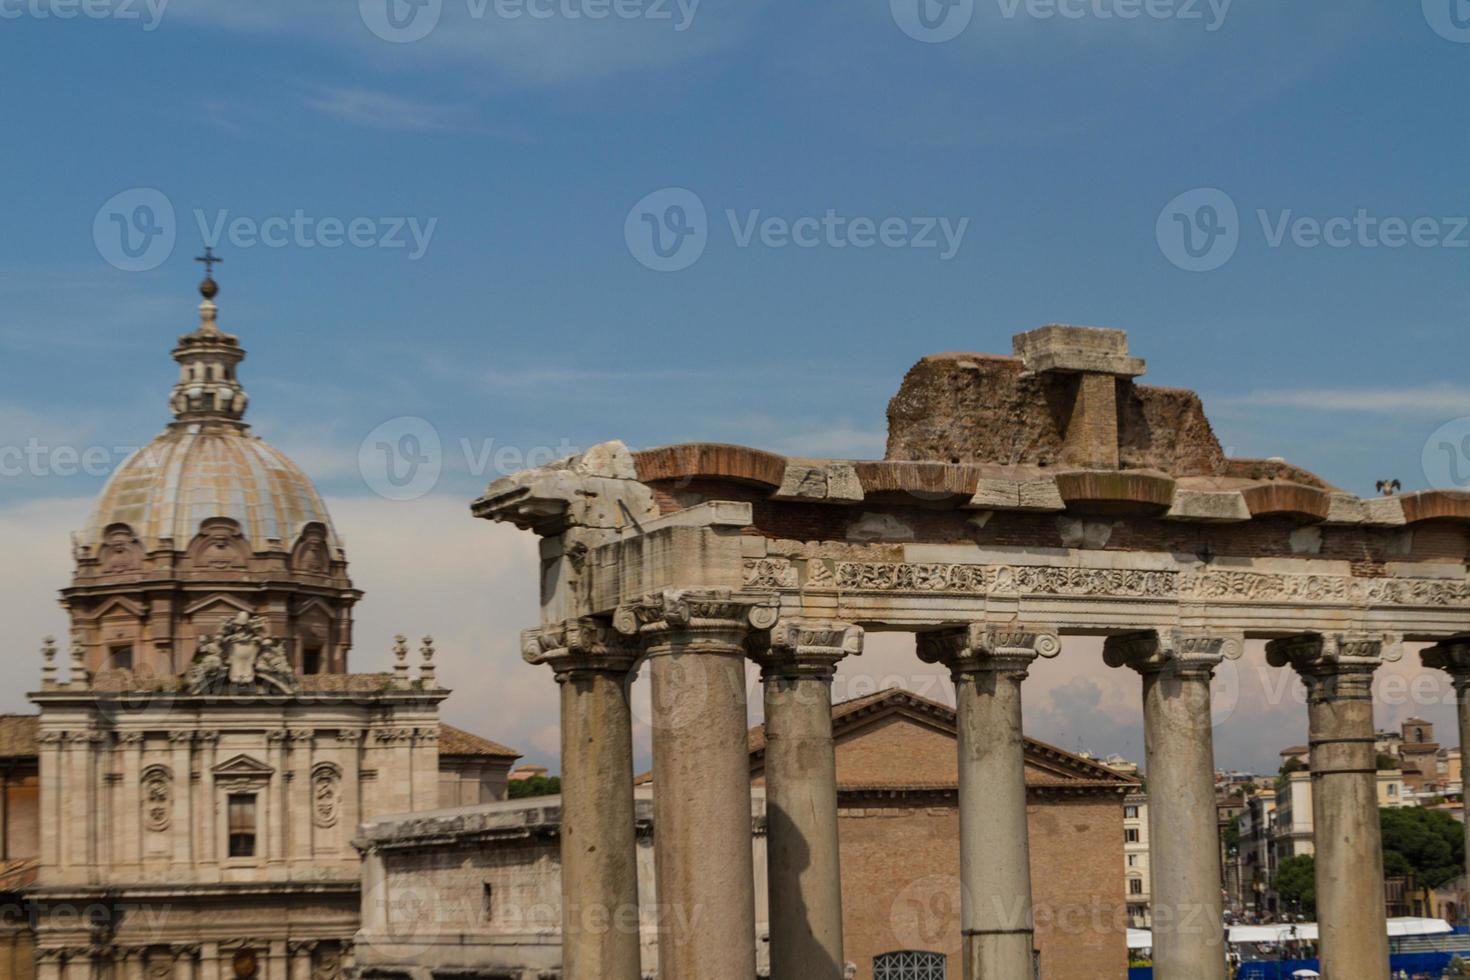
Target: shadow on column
pixel 798 954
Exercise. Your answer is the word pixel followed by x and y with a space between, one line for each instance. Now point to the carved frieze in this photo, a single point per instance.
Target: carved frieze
pixel 1190 585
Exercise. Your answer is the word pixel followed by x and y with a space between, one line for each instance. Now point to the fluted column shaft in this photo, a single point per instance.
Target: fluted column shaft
pixel 1454 657
pixel 1188 920
pixel 695 642
pixel 803 867
pixel 988 665
pixel 599 869
pixel 1338 671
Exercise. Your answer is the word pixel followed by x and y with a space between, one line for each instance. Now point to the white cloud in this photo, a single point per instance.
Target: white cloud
pixel 383 110
pixel 566 46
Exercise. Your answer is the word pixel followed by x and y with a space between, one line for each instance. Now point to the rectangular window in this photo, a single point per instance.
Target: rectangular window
pixel 120 658
pixel 311 660
pixel 1135 886
pixel 1131 835
pixel 1393 789
pixel 1133 860
pixel 1130 813
pixel 242 824
pixel 489 902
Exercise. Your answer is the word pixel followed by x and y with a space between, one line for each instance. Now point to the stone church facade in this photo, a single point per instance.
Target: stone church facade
pixel 477 891
pixel 185 804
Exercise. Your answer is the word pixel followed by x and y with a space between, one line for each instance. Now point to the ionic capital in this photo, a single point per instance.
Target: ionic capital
pixel 1172 650
pixel 694 621
pixel 1451 656
pixel 1336 666
pixel 580 645
pixel 804 648
pixel 985 647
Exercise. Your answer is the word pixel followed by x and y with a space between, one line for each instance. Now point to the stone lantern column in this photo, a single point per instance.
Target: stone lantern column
pixel 798 661
pixel 988 664
pixel 695 642
pixel 1177 667
pixel 1338 671
pixel 594 666
pixel 1453 656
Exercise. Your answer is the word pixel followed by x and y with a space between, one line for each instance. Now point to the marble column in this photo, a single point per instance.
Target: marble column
pixel 1188 921
pixel 695 642
pixel 1453 657
pixel 1338 671
pixel 988 664
pixel 594 667
pixel 804 881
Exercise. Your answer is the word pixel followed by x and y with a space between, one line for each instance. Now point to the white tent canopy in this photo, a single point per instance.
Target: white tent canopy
pixel 1303 931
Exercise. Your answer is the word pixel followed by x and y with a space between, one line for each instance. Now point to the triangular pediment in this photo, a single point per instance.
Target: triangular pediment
pixel 229 603
pixel 898 738
pixel 127 606
pixel 242 765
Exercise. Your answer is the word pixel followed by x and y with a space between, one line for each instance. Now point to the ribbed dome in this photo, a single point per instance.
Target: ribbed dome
pixel 195 471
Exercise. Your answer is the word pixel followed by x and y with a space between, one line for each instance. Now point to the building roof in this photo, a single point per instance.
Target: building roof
pixel 18 736
pixel 457 741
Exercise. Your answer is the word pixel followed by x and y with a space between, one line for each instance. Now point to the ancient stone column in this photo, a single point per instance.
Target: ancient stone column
pixel 594 666
pixel 988 664
pixel 1453 656
pixel 1188 925
pixel 1338 671
pixel 798 660
pixel 703 859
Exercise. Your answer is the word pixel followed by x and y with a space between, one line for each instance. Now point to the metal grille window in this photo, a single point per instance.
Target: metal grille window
pixel 909 966
pixel 242 824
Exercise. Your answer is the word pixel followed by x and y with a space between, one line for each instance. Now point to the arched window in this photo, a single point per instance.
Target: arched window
pixel 909 966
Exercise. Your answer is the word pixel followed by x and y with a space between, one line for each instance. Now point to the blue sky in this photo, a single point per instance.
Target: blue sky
pixel 1066 146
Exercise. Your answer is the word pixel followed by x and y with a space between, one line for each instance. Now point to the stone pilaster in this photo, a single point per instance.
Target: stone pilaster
pixel 1338 671
pixel 181 746
pixel 298 795
pixel 594 667
pixel 695 642
pixel 1453 657
pixel 988 664
pixel 798 660
pixel 299 954
pixel 1177 668
pixel 208 752
pixel 130 823
pixel 276 815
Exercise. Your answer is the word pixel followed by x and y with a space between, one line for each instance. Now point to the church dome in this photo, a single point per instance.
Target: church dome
pixel 197 470
pixel 207 464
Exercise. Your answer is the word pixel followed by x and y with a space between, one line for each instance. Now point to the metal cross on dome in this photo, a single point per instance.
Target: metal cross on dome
pixel 209 259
